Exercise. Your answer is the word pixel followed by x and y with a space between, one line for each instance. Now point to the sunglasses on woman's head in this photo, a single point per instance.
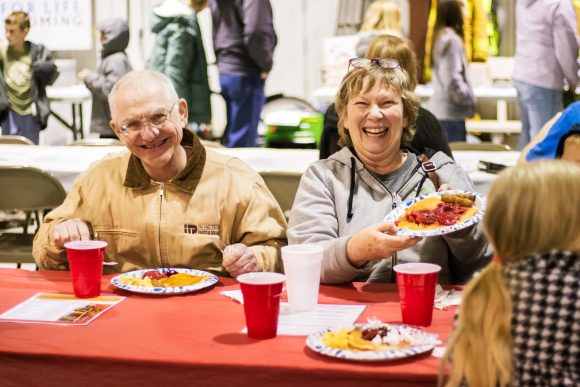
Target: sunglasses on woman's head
pixel 361 63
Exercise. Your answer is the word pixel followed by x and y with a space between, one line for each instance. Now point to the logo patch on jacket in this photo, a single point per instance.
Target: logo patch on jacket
pixel 202 229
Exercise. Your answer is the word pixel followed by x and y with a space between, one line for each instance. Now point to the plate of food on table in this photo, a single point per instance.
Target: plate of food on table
pixel 374 341
pixel 164 281
pixel 438 213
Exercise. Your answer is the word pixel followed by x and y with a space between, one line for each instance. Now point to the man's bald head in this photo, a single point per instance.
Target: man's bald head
pixel 140 81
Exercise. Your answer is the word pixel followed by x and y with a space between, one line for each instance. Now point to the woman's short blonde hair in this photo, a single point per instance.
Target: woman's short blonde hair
pixel 533 208
pixel 362 80
pixel 395 47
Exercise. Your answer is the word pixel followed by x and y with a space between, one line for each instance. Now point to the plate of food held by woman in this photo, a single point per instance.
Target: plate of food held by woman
pixel 438 213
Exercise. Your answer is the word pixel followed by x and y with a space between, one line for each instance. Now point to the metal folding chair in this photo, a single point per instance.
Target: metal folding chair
pixel 478 146
pixel 31 190
pixel 283 186
pixel 15 140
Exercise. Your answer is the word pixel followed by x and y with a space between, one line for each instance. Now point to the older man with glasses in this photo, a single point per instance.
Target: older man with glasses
pixel 168 202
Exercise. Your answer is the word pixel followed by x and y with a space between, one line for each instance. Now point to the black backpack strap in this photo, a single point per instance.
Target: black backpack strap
pixel 429 168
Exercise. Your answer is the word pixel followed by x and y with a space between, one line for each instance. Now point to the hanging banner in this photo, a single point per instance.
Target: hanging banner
pixel 58 24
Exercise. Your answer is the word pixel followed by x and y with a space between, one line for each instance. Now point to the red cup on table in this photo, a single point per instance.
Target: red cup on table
pixel 85 260
pixel 416 283
pixel 261 292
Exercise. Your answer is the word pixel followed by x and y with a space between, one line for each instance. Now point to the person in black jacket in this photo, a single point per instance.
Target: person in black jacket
pixel 428 134
pixel 26 69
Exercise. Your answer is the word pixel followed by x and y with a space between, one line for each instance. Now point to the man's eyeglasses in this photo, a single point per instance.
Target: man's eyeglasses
pixel 361 63
pixel 157 120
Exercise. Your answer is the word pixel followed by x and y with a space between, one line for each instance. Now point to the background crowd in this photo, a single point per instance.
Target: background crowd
pixel 455 33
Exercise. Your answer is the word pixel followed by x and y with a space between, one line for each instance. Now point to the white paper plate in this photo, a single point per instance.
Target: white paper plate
pixel 428 342
pixel 211 280
pixel 397 212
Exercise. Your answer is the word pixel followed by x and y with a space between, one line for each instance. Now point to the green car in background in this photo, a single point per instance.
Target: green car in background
pixel 291 123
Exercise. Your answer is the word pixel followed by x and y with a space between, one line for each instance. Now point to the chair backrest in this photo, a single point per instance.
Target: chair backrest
pixel 16 140
pixel 29 189
pixel 478 146
pixel 283 186
pixel 97 142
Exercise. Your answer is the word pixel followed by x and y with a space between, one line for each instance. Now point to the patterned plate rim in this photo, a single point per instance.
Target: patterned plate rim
pixel 397 212
pixel 314 342
pixel 155 290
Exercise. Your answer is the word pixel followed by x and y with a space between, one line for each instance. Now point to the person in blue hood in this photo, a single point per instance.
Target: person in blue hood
pixel 114 35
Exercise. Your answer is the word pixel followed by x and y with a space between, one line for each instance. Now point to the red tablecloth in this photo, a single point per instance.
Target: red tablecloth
pixel 192 339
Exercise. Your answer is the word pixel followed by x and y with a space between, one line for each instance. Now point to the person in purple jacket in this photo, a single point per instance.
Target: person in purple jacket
pixel 244 40
pixel 546 55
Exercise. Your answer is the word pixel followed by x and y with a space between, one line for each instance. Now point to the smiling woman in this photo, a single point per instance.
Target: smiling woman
pixel 376 111
pixel 375 121
pixel 342 200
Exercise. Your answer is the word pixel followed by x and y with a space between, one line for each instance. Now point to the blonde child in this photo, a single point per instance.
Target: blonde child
pixel 519 319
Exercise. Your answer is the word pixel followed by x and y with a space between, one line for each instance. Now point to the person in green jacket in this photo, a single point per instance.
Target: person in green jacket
pixel 178 52
pixel 26 69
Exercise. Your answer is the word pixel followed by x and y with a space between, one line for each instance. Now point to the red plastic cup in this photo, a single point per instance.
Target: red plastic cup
pixel 416 283
pixel 261 293
pixel 85 259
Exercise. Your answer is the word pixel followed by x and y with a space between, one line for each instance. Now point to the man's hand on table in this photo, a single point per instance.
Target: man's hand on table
pixel 70 230
pixel 239 259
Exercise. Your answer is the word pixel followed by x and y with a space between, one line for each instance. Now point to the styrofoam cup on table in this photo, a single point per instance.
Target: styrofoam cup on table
pixel 302 264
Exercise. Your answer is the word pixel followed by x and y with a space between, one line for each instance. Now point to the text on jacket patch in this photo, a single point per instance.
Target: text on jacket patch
pixel 202 229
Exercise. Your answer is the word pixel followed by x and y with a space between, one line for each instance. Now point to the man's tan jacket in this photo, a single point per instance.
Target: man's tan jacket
pixel 174 224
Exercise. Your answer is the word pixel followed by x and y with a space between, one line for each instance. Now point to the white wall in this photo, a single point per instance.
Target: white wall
pixel 320 17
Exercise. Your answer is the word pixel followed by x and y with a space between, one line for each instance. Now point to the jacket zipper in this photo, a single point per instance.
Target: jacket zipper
pixel 393 206
pixel 394 257
pixel 161 197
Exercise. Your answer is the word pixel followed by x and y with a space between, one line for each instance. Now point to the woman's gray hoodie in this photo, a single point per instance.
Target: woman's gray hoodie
pixel 319 216
pixel 546 43
pixel 114 64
